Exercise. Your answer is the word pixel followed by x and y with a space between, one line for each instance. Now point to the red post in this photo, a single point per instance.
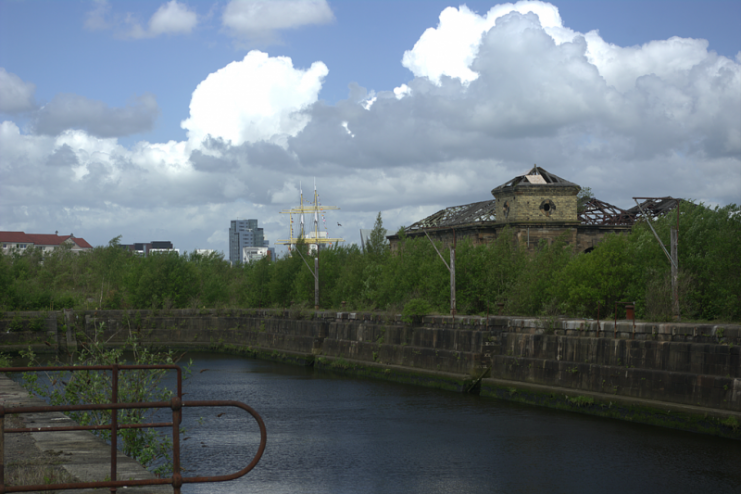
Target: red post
pixel 177 478
pixel 114 425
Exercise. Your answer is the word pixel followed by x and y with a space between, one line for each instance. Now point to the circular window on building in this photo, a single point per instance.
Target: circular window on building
pixel 547 207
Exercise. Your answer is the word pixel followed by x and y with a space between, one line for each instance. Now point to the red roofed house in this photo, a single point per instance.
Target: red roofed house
pixel 20 241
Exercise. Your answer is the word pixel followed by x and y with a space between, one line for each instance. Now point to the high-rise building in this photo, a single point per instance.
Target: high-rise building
pixel 243 233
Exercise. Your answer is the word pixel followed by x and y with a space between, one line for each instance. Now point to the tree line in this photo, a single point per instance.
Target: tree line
pixel 551 280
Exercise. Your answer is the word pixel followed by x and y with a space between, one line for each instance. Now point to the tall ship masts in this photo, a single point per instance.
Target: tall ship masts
pixel 316 238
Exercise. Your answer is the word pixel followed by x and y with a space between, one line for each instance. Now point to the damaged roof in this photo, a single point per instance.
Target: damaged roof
pixel 478 213
pixel 483 213
pixel 536 176
pixel 601 213
pixel 654 206
pixel 594 212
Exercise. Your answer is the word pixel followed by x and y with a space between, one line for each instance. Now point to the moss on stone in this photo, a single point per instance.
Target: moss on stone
pixel 617 410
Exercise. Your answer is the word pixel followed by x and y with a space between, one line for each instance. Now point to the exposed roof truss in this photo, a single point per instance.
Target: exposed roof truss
pixel 654 206
pixel 595 213
pixel 478 213
pixel 600 213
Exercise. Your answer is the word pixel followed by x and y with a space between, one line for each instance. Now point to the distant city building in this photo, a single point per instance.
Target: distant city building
pixel 250 254
pixel 271 250
pixel 19 241
pixel 143 249
pixel 205 252
pixel 153 251
pixel 243 233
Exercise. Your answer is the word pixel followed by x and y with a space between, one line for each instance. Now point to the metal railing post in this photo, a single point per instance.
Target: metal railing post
pixel 2 445
pixel 177 478
pixel 114 425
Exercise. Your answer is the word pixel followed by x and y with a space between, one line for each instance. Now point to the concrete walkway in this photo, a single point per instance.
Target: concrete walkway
pixel 83 456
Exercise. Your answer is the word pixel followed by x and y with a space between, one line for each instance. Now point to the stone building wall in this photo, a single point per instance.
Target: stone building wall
pixel 537 203
pixel 582 238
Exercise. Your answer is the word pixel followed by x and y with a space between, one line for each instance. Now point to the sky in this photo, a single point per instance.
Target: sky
pixel 166 120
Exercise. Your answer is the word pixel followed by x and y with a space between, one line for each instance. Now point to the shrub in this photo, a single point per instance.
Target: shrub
pixel 149 447
pixel 414 310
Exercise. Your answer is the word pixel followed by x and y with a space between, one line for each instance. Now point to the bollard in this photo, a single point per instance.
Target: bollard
pixel 630 312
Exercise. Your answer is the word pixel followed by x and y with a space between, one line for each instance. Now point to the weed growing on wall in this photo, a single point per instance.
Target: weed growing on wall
pixel 150 447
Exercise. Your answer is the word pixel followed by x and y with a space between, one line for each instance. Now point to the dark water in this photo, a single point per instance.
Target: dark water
pixel 332 434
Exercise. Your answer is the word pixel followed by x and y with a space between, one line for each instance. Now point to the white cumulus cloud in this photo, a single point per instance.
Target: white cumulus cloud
pixel 449 49
pixel 622 66
pixel 259 20
pixel 16 95
pixel 259 98
pixel 172 18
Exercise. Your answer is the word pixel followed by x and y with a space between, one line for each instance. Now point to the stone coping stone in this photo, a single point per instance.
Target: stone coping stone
pixel 83 455
pixel 731 332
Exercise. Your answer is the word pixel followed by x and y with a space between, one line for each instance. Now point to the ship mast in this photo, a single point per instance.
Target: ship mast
pixel 315 239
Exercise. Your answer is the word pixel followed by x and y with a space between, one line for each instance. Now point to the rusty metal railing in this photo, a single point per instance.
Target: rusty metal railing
pixel 176 404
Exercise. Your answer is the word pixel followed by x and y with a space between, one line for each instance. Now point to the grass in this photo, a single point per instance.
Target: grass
pixel 32 472
pixel 41 469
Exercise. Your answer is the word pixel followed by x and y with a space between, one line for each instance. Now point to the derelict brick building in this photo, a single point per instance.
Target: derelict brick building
pixel 537 206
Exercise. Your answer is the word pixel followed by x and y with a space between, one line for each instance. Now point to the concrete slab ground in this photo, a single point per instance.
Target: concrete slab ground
pixel 77 456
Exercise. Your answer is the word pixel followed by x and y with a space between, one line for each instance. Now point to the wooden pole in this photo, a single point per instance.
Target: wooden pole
pixel 675 272
pixel 315 274
pixel 316 283
pixel 452 281
pixel 452 277
pixel 450 267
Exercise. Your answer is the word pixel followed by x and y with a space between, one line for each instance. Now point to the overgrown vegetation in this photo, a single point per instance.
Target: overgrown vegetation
pixel 150 447
pixel 553 280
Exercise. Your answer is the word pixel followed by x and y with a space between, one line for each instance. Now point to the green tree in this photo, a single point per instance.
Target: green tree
pixel 582 198
pixel 413 272
pixel 601 277
pixel 533 292
pixel 377 245
pixel 214 275
pixel 162 280
pixel 281 285
pixel 709 256
pixel 486 273
pixel 349 283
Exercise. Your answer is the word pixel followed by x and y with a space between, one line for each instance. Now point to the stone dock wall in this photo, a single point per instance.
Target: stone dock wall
pixel 679 375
